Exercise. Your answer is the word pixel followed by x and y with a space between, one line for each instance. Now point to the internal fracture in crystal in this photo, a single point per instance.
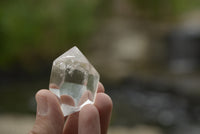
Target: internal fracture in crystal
pixel 74 80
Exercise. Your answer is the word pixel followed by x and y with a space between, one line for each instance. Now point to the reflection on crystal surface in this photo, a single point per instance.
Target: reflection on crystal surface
pixel 74 80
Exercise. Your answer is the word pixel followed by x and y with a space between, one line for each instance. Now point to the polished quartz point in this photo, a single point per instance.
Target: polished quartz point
pixel 74 80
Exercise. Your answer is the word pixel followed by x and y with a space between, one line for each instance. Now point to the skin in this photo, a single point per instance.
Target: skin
pixel 92 119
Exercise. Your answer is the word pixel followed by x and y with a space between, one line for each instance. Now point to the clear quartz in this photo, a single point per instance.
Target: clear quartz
pixel 74 80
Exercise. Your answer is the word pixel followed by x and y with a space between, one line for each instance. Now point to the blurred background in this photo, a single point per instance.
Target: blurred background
pixel 147 53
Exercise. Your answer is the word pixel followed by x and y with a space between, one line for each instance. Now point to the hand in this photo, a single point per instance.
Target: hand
pixel 92 119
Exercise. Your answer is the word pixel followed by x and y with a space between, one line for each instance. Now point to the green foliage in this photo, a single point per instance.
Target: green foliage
pixel 162 9
pixel 34 30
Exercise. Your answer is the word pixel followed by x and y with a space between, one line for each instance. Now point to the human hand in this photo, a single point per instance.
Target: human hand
pixel 92 119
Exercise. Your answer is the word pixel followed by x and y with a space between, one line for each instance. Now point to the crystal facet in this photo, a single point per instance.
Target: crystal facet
pixel 74 80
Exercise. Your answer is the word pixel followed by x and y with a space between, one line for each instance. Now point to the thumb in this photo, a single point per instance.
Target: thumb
pixel 49 118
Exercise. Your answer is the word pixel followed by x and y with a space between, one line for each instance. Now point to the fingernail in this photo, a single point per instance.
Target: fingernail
pixel 42 105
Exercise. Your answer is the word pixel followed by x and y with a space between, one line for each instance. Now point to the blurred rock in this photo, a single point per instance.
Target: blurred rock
pixel 135 130
pixel 187 129
pixel 183 44
pixel 152 102
pixel 16 124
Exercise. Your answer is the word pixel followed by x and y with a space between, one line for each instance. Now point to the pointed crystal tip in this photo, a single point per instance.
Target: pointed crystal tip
pixel 74 80
pixel 74 54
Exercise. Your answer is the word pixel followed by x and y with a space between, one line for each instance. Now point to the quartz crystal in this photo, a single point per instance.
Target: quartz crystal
pixel 74 80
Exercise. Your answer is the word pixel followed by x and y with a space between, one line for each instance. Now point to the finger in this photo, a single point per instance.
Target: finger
pixel 49 118
pixel 100 88
pixel 89 122
pixel 66 100
pixel 104 105
pixel 71 125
